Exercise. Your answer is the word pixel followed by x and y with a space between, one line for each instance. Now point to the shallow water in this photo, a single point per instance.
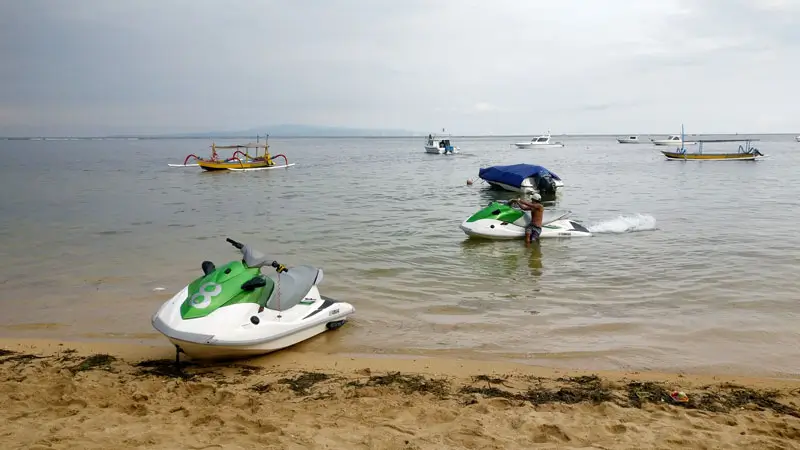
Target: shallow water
pixel 693 265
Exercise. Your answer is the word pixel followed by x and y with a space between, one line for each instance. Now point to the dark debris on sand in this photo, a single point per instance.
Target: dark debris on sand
pixel 720 398
pixel 305 381
pixel 408 383
pixel 490 380
pixel 723 398
pixel 577 390
pixel 9 356
pixel 164 368
pixel 67 355
pixel 100 361
pixel 189 370
pixel 727 397
pixel 261 387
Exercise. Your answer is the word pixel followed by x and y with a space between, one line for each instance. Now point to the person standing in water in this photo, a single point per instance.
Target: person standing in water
pixel 534 228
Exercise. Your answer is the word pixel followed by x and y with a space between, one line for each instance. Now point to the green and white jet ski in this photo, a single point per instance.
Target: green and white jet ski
pixel 236 311
pixel 498 220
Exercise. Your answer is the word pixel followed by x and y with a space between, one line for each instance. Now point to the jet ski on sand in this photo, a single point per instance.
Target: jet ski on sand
pixel 236 311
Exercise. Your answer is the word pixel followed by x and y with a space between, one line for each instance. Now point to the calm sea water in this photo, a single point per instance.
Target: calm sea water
pixel 694 265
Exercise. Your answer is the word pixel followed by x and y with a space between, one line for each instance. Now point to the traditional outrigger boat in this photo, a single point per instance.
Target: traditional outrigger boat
pixel 745 152
pixel 240 160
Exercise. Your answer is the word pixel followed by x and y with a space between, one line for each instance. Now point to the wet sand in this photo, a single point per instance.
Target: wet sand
pixel 98 395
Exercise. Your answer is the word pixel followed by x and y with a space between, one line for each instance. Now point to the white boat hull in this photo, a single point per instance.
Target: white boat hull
pixel 672 142
pixel 495 229
pixel 237 336
pixel 797 138
pixel 239 170
pixel 628 141
pixel 526 187
pixel 207 352
pixel 440 151
pixel 535 145
pixel 252 169
pixel 690 158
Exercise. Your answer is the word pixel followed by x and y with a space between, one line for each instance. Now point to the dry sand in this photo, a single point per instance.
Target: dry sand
pixel 91 395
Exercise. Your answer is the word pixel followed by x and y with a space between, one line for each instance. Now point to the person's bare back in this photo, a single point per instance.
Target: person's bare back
pixel 533 230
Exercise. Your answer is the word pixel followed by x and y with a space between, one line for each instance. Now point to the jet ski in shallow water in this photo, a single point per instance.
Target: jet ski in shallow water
pixel 235 311
pixel 498 220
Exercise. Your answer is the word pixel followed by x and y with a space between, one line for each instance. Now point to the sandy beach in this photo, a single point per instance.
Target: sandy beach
pixel 66 395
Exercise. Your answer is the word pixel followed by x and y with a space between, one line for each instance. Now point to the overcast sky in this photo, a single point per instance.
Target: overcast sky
pixel 500 66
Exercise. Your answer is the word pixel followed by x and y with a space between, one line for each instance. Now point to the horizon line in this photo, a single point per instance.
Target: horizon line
pixel 395 136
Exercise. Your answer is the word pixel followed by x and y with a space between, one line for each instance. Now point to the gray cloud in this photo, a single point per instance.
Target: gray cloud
pixel 98 66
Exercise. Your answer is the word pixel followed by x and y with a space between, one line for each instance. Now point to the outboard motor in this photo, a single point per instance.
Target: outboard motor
pixel 546 185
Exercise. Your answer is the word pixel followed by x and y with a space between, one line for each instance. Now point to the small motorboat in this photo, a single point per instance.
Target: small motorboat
pixel 498 220
pixel 542 141
pixel 674 139
pixel 523 178
pixel 235 311
pixel 629 140
pixel 440 145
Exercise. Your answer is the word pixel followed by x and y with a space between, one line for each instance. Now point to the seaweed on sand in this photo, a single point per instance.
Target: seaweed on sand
pixel 98 361
pixel 579 389
pixel 722 398
pixel 305 381
pixel 163 368
pixel 407 383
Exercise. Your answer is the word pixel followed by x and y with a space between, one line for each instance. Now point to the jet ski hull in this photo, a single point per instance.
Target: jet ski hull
pixel 239 335
pixel 499 230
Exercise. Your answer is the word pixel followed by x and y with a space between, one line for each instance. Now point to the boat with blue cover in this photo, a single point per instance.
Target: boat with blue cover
pixel 523 178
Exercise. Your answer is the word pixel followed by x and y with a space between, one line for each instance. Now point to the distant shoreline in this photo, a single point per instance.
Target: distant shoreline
pixel 251 137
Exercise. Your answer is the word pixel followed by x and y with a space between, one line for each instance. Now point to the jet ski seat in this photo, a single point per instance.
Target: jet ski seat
pixel 293 286
pixel 254 258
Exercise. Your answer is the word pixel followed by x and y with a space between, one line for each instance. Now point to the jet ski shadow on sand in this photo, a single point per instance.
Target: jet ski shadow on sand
pixel 500 221
pixel 235 311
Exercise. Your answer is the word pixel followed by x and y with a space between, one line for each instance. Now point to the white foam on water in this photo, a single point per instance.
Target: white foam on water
pixel 625 224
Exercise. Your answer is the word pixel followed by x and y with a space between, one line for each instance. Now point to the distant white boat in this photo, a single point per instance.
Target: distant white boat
pixel 628 140
pixel 440 145
pixel 797 138
pixel 671 140
pixel 542 141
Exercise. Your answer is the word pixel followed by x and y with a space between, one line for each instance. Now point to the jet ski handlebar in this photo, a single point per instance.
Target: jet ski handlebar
pixel 238 245
pixel 279 267
pixel 275 264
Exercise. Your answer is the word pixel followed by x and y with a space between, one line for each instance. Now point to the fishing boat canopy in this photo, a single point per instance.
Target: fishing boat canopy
pixel 249 145
pixel 747 148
